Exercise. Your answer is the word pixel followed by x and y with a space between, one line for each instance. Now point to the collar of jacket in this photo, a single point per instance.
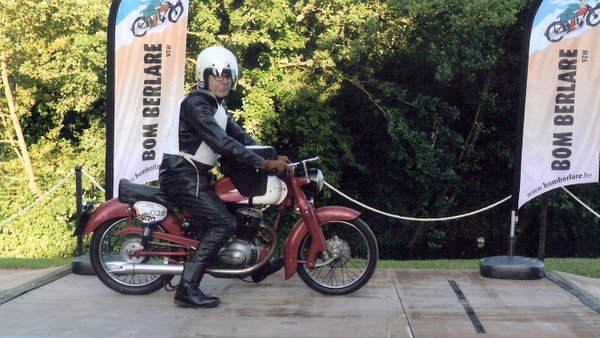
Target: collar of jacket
pixel 210 94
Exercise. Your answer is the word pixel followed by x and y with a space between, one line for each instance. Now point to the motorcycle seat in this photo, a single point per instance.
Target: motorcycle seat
pixel 132 192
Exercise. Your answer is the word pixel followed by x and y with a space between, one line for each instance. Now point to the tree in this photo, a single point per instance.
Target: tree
pixel 19 146
pixel 54 83
pixel 410 104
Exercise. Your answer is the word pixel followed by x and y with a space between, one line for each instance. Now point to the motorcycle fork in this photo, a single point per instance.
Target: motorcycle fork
pixel 307 212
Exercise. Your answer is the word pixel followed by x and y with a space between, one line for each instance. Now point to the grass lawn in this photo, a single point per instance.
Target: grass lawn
pixel 589 267
pixel 38 263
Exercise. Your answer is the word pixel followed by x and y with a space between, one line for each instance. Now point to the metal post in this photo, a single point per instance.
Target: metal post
pixel 512 239
pixel 79 201
pixel 81 264
pixel 543 226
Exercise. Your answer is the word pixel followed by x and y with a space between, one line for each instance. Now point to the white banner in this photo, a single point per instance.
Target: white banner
pixel 149 65
pixel 561 130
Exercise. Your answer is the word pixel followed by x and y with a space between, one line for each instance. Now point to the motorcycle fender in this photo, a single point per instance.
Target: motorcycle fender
pixel 300 230
pixel 109 210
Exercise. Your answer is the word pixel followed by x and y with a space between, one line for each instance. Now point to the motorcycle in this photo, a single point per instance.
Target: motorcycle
pixel 141 239
pixel 142 24
pixel 559 29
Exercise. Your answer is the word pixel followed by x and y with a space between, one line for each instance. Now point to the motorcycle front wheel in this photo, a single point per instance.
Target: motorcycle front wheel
pixel 349 261
pixel 593 17
pixel 108 251
pixel 175 12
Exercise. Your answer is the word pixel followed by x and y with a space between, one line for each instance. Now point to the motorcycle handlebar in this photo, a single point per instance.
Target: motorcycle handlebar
pixel 303 162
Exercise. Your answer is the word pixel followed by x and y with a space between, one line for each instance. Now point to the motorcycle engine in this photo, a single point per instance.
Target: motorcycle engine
pixel 237 254
pixel 248 222
pixel 241 252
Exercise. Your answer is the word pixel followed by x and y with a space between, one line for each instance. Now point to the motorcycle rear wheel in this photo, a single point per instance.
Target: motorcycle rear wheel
pixel 556 31
pixel 350 260
pixel 107 247
pixel 141 26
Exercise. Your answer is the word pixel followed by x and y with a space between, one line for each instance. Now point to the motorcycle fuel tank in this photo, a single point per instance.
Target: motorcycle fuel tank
pixel 275 194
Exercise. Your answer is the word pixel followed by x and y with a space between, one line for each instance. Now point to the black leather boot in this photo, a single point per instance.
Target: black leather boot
pixel 188 293
pixel 269 268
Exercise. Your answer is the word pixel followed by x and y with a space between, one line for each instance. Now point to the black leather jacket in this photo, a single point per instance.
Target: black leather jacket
pixel 196 125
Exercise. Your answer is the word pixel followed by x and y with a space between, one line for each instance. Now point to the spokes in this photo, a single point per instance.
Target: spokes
pixel 346 259
pixel 118 250
pixel 338 276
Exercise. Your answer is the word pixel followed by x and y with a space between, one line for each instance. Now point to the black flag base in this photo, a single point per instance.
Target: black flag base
pixel 511 267
pixel 82 266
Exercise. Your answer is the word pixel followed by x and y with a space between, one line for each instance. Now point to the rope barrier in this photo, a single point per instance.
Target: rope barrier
pixel 580 202
pixel 404 218
pixel 91 178
pixel 39 200
pixel 43 197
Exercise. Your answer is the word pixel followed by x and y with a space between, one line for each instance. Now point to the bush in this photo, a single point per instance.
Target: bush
pixel 45 230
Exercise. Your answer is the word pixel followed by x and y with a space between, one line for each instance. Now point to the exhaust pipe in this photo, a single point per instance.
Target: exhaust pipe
pixel 122 268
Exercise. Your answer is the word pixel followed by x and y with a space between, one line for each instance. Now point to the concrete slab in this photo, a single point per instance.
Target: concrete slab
pixel 396 303
pixel 12 278
pixel 514 308
pixel 81 306
pixel 590 286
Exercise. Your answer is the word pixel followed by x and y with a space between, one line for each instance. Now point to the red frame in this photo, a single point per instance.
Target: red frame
pixel 310 222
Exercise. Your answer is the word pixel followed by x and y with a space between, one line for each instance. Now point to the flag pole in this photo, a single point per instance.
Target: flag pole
pixel 511 266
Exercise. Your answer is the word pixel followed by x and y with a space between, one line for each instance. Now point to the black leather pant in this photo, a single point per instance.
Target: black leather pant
pixel 205 207
pixel 213 215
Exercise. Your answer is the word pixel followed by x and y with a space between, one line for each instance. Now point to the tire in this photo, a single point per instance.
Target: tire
pixel 140 26
pixel 556 31
pixel 175 12
pixel 107 247
pixel 353 253
pixel 593 16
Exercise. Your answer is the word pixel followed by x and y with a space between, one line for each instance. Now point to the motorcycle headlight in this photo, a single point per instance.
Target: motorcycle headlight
pixel 316 180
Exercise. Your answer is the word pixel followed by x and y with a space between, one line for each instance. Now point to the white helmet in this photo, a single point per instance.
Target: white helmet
pixel 214 60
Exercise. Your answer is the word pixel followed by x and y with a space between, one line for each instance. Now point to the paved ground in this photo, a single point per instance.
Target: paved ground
pixel 396 303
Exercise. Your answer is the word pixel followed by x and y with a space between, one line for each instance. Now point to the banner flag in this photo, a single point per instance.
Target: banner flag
pixel 561 116
pixel 146 69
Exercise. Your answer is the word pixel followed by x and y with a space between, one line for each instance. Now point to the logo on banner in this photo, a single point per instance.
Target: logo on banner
pixel 575 16
pixel 156 13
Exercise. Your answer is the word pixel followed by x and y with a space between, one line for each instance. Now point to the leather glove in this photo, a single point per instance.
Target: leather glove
pixel 278 165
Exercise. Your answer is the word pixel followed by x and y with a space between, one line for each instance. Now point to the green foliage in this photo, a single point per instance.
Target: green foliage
pixel 57 56
pixel 46 229
pixel 410 104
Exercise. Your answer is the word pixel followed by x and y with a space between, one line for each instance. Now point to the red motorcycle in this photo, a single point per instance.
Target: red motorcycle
pixel 141 239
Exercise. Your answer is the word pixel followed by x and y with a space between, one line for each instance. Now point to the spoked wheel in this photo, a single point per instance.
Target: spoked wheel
pixel 349 261
pixel 556 31
pixel 593 17
pixel 175 12
pixel 109 251
pixel 141 26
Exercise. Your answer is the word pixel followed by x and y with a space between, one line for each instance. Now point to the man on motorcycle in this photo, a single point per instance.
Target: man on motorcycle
pixel 152 10
pixel 202 131
pixel 571 13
